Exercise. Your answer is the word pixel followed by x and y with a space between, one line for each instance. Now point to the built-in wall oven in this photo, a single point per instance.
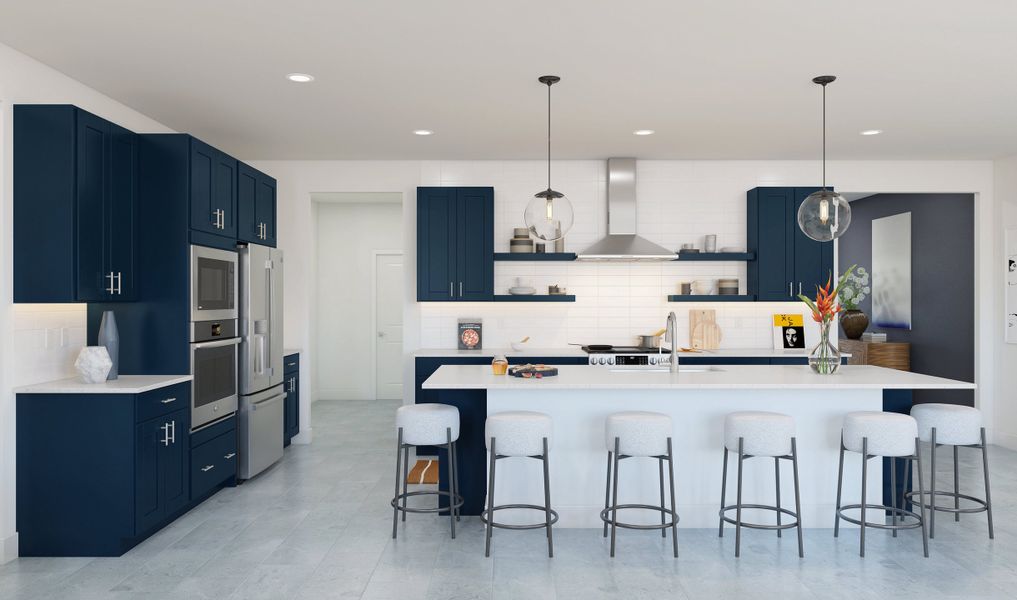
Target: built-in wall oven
pixel 214 337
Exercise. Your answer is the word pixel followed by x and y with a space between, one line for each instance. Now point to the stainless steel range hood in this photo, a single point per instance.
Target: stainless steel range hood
pixel 622 243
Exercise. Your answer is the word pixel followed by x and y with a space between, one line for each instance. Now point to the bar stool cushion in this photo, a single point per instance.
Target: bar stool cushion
pixel 640 433
pixel 889 434
pixel 764 433
pixel 518 432
pixel 955 424
pixel 427 424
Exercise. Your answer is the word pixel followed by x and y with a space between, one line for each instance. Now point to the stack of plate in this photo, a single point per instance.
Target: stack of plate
pixel 727 287
pixel 521 242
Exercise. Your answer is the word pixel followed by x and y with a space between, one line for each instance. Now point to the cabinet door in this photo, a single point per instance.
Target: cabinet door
pixel 225 192
pixel 266 208
pixel 291 426
pixel 475 244
pixel 772 238
pixel 204 207
pixel 813 261
pixel 122 210
pixel 149 440
pixel 93 143
pixel 247 213
pixel 174 464
pixel 436 244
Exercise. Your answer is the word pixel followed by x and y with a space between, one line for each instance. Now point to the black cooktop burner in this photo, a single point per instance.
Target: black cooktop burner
pixel 626 350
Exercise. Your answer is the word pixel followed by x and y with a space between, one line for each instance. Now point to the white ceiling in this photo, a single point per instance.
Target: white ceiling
pixel 724 79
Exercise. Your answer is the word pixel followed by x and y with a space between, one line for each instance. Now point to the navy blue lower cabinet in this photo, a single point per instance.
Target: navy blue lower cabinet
pixel 291 411
pixel 98 473
pixel 213 461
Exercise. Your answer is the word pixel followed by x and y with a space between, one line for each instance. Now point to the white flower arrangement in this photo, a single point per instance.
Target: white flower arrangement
pixel 855 289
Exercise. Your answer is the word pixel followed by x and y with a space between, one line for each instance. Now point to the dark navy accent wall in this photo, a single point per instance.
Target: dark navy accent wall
pixel 942 282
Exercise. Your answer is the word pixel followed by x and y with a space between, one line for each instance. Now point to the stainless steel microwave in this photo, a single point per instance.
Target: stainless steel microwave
pixel 213 284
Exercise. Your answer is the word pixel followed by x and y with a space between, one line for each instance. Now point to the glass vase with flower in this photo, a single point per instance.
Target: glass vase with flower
pixel 825 357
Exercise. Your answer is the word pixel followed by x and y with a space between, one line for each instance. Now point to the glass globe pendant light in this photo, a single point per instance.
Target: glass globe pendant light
pixel 824 215
pixel 549 214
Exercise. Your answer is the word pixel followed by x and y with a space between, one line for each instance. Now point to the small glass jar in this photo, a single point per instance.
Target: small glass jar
pixel 499 366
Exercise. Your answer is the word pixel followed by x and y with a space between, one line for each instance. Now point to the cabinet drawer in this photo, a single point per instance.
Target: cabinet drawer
pixel 212 463
pixel 164 400
pixel 291 363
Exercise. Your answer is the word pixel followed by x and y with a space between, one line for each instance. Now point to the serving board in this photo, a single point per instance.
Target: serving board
pixel 704 333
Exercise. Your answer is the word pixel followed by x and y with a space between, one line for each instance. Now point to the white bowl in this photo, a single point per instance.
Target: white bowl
pixel 520 346
pixel 522 291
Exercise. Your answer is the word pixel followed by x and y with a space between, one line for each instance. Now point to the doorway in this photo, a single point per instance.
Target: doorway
pixel 359 299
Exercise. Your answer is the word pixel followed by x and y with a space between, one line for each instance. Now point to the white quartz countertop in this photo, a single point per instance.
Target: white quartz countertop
pixel 125 384
pixel 720 377
pixel 577 351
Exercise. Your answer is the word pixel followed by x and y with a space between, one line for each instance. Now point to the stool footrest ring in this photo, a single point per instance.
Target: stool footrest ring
pixel 667 511
pixel 554 516
pixel 438 509
pixel 901 514
pixel 982 505
pixel 782 510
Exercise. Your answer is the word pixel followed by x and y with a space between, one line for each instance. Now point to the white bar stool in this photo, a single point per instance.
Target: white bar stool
pixel 958 426
pixel 522 434
pixel 760 434
pixel 427 424
pixel 883 434
pixel 639 434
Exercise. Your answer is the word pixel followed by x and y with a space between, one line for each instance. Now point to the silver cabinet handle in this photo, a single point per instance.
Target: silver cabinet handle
pixel 216 343
pixel 166 436
pixel 207 468
pixel 120 280
pixel 230 455
pixel 173 432
pixel 215 217
pixel 450 294
pixel 168 400
pixel 110 289
pixel 790 288
pixel 460 289
pixel 291 364
pixel 799 288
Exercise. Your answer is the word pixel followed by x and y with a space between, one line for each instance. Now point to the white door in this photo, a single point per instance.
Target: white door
pixel 388 325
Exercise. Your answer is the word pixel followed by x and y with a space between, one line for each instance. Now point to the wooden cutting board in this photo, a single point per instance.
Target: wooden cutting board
pixel 704 333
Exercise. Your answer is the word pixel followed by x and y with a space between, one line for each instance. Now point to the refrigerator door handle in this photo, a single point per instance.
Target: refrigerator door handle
pixel 266 341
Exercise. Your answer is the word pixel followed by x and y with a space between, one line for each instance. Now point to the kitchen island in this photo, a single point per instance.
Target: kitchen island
pixel 697 399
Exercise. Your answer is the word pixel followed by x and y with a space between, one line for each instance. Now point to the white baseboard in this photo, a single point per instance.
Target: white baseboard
pixel 303 438
pixel 8 549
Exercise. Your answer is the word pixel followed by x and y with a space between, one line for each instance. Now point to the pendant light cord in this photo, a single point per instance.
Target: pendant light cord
pixel 824 137
pixel 549 136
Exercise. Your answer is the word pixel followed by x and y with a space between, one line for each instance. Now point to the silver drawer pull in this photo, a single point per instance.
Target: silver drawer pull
pixel 291 364
pixel 168 400
pixel 207 469
pixel 230 455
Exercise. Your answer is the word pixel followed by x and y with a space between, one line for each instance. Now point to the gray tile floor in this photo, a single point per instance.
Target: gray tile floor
pixel 318 525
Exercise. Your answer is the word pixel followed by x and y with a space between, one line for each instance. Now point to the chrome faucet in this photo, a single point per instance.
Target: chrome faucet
pixel 671 337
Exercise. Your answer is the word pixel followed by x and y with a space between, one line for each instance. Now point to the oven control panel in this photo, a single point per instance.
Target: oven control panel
pixel 630 360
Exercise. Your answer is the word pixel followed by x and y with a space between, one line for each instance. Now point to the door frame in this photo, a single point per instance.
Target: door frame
pixel 374 313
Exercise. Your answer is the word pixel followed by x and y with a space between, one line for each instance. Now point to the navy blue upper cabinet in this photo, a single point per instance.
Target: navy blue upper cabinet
pixel 75 206
pixel 787 261
pixel 256 206
pixel 213 190
pixel 455 244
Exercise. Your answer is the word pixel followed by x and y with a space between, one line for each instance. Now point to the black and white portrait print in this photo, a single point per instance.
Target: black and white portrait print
pixel 794 337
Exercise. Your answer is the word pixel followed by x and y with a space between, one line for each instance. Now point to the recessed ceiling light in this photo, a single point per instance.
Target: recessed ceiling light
pixel 300 77
pixel 872 132
pixel 643 132
pixel 422 132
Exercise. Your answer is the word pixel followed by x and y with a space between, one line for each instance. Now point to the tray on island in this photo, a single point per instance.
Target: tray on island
pixel 530 371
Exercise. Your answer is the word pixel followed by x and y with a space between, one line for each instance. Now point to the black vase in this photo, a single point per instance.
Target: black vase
pixel 854 323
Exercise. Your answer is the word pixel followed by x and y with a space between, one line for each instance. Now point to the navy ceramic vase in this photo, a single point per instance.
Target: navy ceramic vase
pixel 110 338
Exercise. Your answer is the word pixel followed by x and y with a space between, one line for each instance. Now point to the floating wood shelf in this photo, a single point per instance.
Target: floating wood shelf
pixel 535 298
pixel 534 256
pixel 716 256
pixel 712 298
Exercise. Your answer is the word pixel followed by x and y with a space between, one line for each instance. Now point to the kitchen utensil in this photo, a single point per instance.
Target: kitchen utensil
pixel 555 290
pixel 710 243
pixel 599 347
pixel 704 333
pixel 649 341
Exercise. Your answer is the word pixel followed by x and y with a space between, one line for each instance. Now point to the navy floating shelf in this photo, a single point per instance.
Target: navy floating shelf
pixel 534 256
pixel 717 256
pixel 535 298
pixel 712 298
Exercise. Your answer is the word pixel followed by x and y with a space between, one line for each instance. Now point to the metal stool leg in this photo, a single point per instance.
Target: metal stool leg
pixel 985 474
pixel 547 502
pixel 490 501
pixel 921 493
pixel 932 490
pixel 723 495
pixel 455 465
pixel 406 474
pixel 451 482
pixel 840 486
pixel 893 493
pixel 956 486
pixel 660 465
pixel 395 511
pixel 738 518
pixel 607 489
pixel 674 507
pixel 614 501
pixel 798 498
pixel 776 474
pixel 865 477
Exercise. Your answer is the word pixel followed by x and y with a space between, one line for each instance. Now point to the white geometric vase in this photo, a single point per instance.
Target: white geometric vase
pixel 93 364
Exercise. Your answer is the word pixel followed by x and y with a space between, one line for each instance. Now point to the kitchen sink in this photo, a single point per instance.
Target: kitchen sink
pixel 666 370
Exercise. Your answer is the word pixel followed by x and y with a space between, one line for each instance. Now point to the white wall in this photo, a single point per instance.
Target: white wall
pixel 37 343
pixel 1005 171
pixel 347 235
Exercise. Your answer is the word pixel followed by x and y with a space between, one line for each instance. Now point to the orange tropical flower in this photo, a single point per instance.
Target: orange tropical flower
pixel 825 306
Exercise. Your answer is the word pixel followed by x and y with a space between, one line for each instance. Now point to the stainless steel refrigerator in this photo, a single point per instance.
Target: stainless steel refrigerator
pixel 261 359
